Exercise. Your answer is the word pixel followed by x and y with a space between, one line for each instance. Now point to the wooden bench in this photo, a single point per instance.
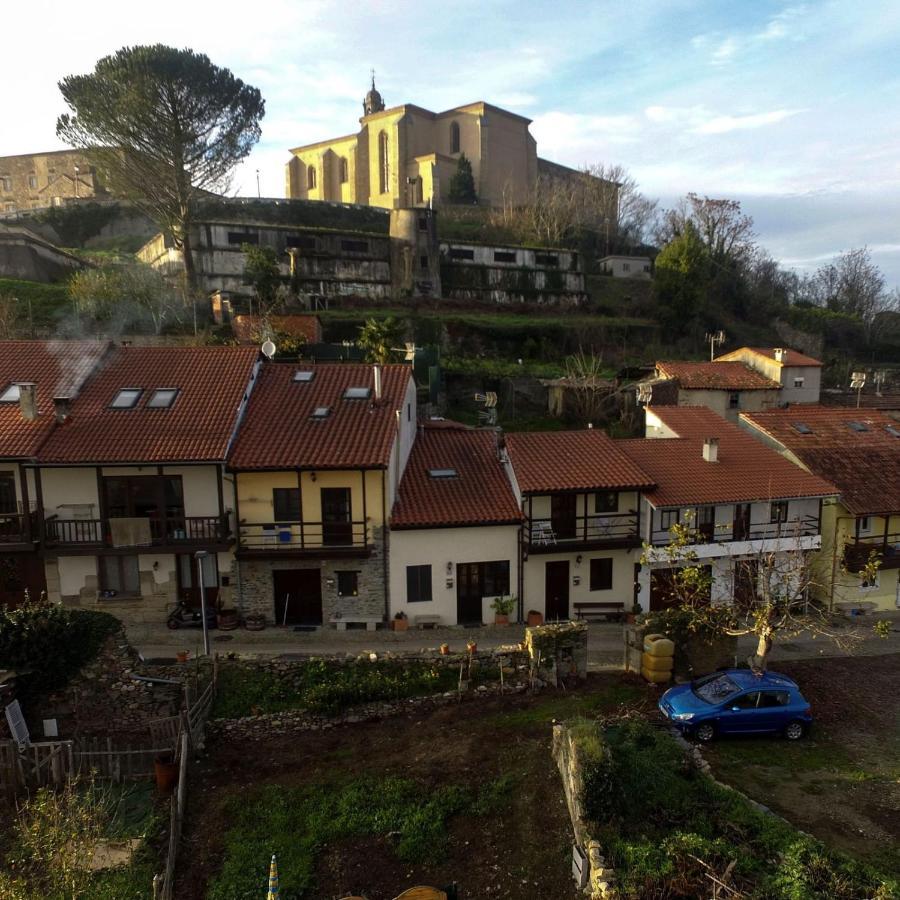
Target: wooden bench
pixel 341 622
pixel 431 621
pixel 597 610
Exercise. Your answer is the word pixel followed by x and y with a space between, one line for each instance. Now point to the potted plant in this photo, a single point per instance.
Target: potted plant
pixel 445 649
pixel 401 622
pixel 502 607
pixel 182 655
pixel 471 646
pixel 535 618
pixel 635 612
pixel 254 622
pixel 227 619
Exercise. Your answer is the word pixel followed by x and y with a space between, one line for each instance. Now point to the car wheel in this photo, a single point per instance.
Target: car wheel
pixel 794 731
pixel 174 624
pixel 705 732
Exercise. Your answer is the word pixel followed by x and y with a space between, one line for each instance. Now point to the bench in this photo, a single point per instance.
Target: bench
pixel 596 610
pixel 341 622
pixel 426 621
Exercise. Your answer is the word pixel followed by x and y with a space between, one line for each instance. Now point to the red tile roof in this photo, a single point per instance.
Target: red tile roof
pixel 308 326
pixel 791 357
pixel 746 470
pixel 868 478
pixel 571 460
pixel 717 376
pixel 480 494
pixel 58 368
pixel 278 431
pixel 211 382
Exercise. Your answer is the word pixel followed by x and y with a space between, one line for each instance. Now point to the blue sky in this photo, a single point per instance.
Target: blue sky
pixel 791 108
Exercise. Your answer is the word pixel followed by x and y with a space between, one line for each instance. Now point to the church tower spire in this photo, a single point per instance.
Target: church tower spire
pixel 373 102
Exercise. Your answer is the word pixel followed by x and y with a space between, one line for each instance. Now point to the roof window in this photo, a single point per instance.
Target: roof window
pixel 801 428
pixel 357 393
pixel 442 473
pixel 10 394
pixel 162 398
pixel 890 429
pixel 127 398
pixel 304 375
pixel 321 412
pixel 857 426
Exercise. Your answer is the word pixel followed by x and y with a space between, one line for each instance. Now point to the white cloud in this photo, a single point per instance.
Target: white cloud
pixel 724 124
pixel 724 52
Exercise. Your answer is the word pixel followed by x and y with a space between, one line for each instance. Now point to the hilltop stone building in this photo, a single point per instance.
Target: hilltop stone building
pixel 406 155
pixel 38 180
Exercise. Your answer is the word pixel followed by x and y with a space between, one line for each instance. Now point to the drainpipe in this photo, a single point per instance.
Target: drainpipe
pixel 384 548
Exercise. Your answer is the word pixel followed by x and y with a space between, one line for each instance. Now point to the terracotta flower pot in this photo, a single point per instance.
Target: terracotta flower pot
pixel 166 771
pixel 182 655
pixel 535 619
pixel 501 620
pixel 254 623
pixel 471 646
pixel 400 624
pixel 445 649
pixel 227 619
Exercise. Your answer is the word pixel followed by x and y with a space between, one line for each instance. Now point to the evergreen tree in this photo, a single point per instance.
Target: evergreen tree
pixel 462 184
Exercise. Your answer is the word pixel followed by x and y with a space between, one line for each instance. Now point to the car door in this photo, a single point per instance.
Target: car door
pixel 740 714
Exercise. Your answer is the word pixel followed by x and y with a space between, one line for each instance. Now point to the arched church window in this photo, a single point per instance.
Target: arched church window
pixel 383 172
pixel 454 137
pixel 311 177
pixel 345 174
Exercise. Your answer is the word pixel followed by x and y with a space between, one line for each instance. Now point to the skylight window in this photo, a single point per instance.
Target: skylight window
pixel 442 473
pixel 127 398
pixel 890 429
pixel 857 426
pixel 303 376
pixel 162 398
pixel 801 428
pixel 321 412
pixel 357 393
pixel 10 394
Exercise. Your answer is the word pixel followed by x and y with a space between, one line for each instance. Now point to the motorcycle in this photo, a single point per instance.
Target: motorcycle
pixel 184 616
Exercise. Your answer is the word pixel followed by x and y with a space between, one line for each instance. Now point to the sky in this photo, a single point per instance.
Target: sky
pixel 790 108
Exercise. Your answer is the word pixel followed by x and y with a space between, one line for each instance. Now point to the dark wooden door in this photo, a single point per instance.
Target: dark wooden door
pixel 556 590
pixel 298 596
pixel 563 514
pixel 189 583
pixel 8 502
pixel 740 530
pixel 468 594
pixel 337 527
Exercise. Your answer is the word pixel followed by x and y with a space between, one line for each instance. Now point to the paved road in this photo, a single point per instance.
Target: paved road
pixel 605 642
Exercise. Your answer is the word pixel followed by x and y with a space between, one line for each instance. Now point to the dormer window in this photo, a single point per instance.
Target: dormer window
pixel 162 398
pixel 801 428
pixel 303 376
pixel 321 412
pixel 357 393
pixel 442 473
pixel 127 398
pixel 10 394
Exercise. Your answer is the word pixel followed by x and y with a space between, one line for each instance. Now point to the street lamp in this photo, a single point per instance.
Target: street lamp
pixel 200 555
pixel 77 170
pixel 258 194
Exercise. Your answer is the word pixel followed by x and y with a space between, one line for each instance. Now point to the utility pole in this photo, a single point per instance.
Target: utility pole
pixel 258 194
pixel 200 555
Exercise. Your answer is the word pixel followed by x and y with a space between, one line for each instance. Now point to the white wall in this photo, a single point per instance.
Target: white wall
pixel 62 488
pixel 438 546
pixel 812 384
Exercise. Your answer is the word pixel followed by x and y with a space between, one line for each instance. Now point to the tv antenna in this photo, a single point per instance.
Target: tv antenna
pixel 408 351
pixel 857 382
pixel 488 415
pixel 644 393
pixel 715 338
pixel 879 378
pixel 268 349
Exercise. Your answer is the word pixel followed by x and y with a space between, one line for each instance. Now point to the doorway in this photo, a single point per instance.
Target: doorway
pixel 337 527
pixel 298 596
pixel 556 590
pixel 563 515
pixel 189 583
pixel 468 594
pixel 740 528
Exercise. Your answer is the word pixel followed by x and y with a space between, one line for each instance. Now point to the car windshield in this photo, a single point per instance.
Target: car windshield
pixel 714 688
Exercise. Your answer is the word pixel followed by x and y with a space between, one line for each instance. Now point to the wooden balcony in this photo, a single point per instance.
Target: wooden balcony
pixel 803 526
pixel 18 531
pixel 173 532
pixel 858 551
pixel 594 532
pixel 303 539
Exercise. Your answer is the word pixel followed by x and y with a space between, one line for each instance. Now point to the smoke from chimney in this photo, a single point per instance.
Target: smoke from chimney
pixel 28 400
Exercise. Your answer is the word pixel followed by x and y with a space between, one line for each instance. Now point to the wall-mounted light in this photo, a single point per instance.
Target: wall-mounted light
pixel 312 476
pixel 576 580
pixel 578 560
pixel 155 564
pixel 449 568
pixel 449 584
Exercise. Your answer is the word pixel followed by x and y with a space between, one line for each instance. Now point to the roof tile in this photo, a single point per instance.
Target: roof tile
pixel 722 376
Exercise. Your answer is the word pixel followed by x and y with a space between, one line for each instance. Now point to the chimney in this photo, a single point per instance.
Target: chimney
pixel 779 354
pixel 28 400
pixel 376 370
pixel 62 407
pixel 711 449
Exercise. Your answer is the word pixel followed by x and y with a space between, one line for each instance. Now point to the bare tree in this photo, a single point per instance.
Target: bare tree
pixel 724 229
pixel 9 317
pixel 586 387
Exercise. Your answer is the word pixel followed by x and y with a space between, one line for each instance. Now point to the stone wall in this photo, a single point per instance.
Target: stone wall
pixel 559 652
pixel 27 256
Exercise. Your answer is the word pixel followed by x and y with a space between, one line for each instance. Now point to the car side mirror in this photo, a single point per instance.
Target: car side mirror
pixel 735 709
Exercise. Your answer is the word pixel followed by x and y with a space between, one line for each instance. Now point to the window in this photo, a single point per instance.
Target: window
pixel 10 394
pixel 442 473
pixel 798 382
pixel 774 698
pixel 863 525
pixel 348 584
pixel 495 578
pixel 304 242
pixel 505 256
pixel 418 584
pixel 287 504
pixel 357 393
pixel 423 221
pixel 383 166
pixel 546 259
pixel 187 572
pixel 734 399
pixel 892 430
pixel 243 237
pixel 10 207
pixel 626 267
pixel 321 412
pixel 668 518
pixel 8 501
pixel 345 170
pixel 747 701
pixel 355 246
pixel 304 376
pixel 601 574
pixel 311 178
pixel 409 412
pixel 32 181
pixel 606 502
pixel 162 398
pixel 778 511
pixel 6 183
pixel 461 253
pixel 423 263
pixel 857 426
pixel 127 398
pixel 120 574
pixel 646 268
pixel 454 137
pixel 801 428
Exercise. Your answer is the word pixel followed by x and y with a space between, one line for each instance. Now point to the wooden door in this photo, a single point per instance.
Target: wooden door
pixel 740 528
pixel 468 594
pixel 337 527
pixel 563 515
pixel 556 590
pixel 298 596
pixel 188 582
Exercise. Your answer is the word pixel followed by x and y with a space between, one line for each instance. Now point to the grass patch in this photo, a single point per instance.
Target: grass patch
pixel 657 818
pixel 546 709
pixel 325 688
pixel 297 823
pixel 814 754
pixel 49 302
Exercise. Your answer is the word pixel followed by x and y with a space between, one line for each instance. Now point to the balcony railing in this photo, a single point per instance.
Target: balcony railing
pixel 17 528
pixel 313 537
pixel 136 532
pixel 858 551
pixel 727 532
pixel 583 531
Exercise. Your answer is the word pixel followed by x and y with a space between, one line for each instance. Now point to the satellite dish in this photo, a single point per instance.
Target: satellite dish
pixel 17 726
pixel 268 349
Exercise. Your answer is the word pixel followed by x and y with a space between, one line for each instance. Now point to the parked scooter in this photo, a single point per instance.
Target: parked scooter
pixel 184 616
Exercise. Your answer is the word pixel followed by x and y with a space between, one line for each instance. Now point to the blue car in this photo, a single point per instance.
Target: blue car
pixel 737 701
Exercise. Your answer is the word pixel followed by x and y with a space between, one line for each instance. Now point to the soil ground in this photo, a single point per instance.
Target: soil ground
pixel 841 783
pixel 521 851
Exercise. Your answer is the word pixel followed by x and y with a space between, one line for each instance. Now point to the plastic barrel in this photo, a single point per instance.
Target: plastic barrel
pixel 657 663
pixel 656 677
pixel 658 645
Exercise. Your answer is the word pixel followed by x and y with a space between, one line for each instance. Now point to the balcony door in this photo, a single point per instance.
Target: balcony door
pixel 158 498
pixel 563 515
pixel 337 525
pixel 8 502
pixel 741 524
